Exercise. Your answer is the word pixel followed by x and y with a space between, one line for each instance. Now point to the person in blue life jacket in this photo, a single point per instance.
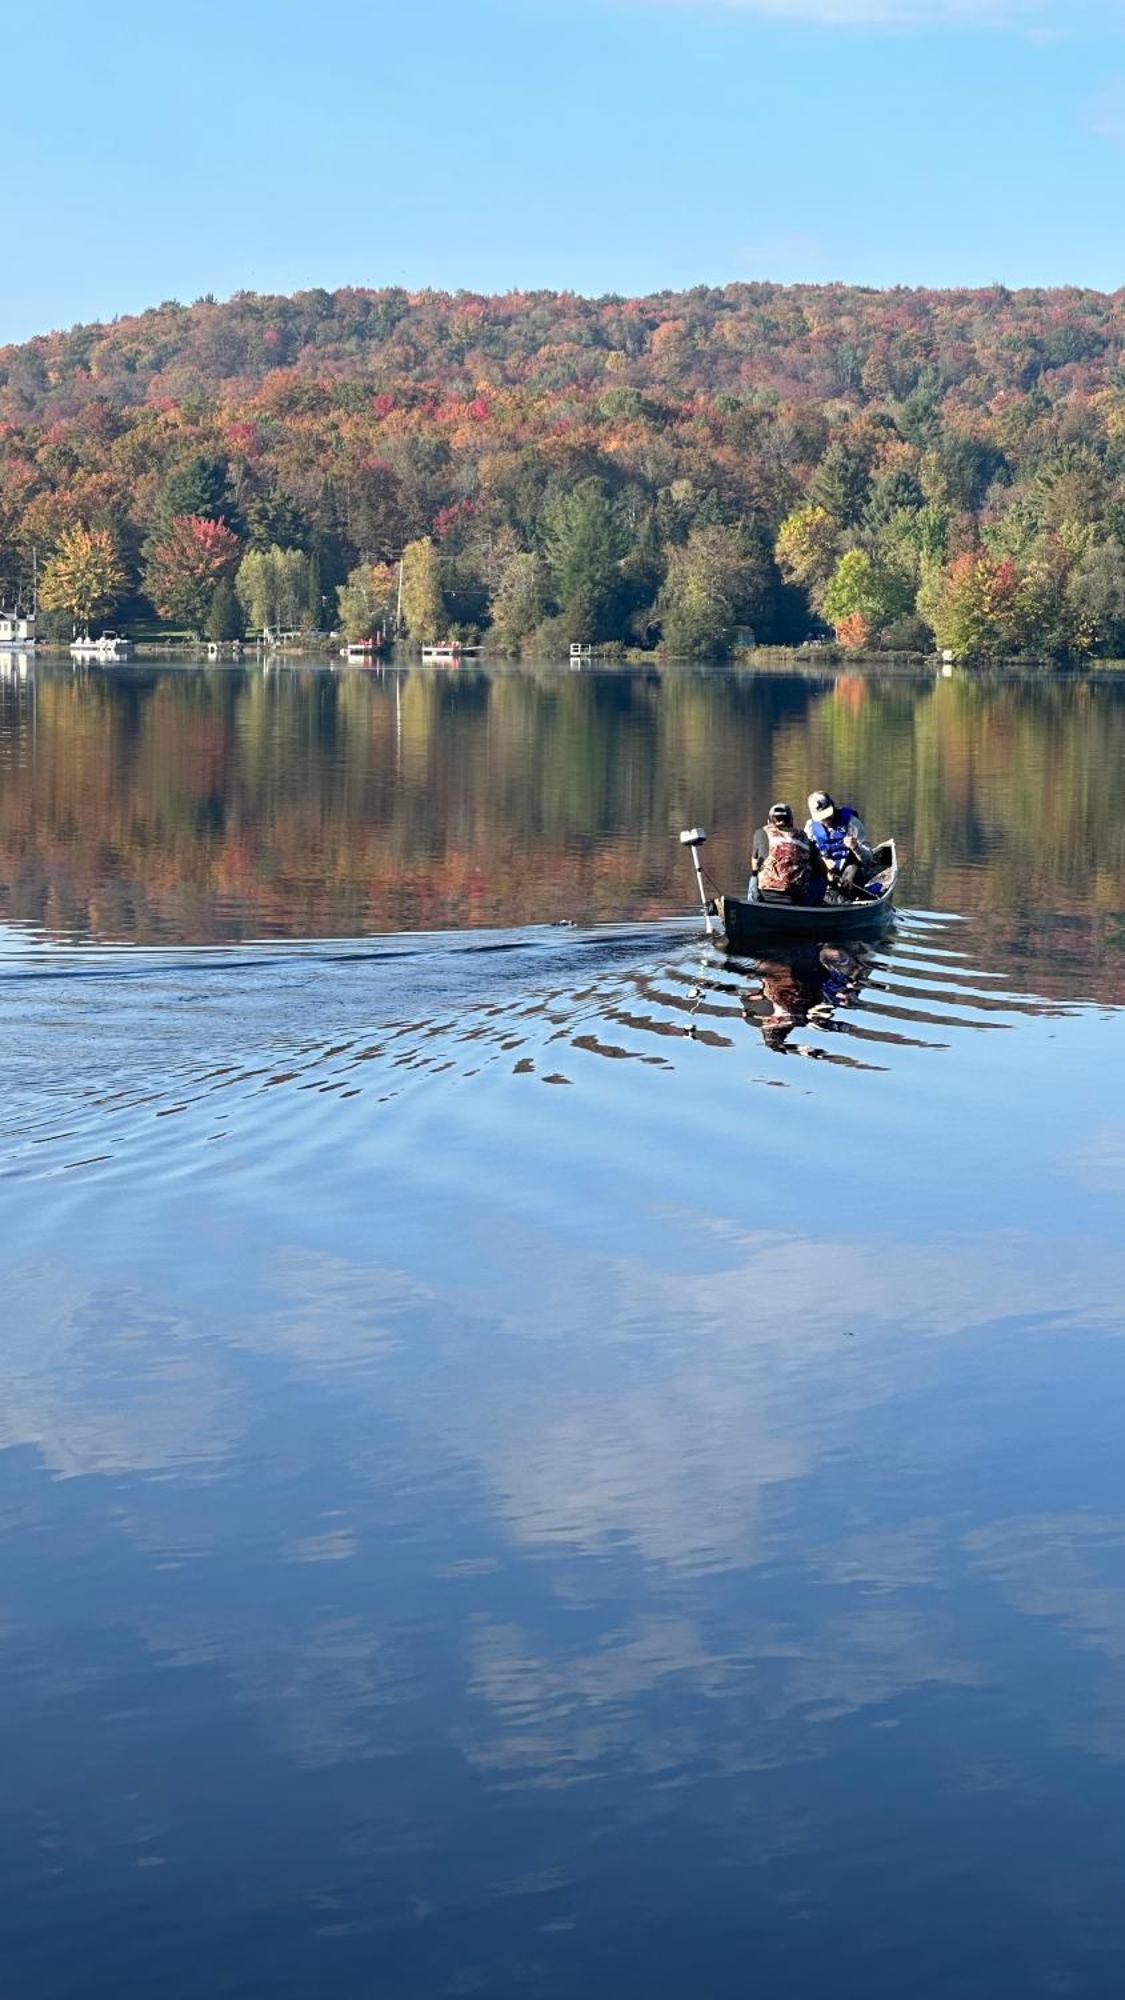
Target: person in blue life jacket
pixel 840 839
pixel 784 862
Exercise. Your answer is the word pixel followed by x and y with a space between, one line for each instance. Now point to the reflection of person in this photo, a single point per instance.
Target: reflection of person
pixel 792 990
pixel 807 984
pixel 783 861
pixel 843 973
pixel 840 838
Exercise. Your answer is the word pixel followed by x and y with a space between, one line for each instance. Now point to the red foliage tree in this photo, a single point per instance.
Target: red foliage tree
pixel 854 631
pixel 187 564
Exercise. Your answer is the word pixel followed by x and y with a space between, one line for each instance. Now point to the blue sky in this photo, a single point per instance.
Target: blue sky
pixel 602 145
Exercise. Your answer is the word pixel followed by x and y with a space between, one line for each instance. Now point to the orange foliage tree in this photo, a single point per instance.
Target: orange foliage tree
pixel 187 564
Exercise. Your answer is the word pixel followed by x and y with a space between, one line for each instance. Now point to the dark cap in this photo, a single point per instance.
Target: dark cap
pixel 781 814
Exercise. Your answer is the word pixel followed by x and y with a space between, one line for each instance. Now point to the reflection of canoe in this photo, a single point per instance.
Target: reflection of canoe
pixel 744 922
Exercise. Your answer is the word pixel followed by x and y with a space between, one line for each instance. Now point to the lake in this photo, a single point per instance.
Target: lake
pixel 535 1458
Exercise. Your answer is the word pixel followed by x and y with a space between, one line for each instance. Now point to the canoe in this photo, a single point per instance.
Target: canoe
pixel 743 923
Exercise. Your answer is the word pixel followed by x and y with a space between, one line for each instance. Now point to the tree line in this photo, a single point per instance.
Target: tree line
pixel 678 474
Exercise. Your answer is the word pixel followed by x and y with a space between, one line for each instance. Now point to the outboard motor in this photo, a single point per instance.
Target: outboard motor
pixel 693 837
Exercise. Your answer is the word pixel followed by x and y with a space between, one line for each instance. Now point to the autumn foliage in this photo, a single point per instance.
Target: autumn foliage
pixel 555 456
pixel 85 577
pixel 854 631
pixel 186 564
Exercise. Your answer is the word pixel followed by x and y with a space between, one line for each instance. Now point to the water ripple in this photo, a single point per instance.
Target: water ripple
pixel 201 1038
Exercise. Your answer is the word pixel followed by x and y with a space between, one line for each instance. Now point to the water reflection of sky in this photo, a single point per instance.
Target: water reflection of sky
pixel 465 1534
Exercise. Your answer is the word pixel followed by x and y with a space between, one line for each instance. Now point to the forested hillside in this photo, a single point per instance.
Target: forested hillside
pixel 666 472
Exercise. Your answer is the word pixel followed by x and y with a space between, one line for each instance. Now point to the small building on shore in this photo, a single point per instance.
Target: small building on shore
pixel 17 630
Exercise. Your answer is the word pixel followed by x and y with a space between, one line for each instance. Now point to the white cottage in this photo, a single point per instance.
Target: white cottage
pixel 17 630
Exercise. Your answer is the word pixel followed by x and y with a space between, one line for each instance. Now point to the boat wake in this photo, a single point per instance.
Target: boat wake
pixel 210 1037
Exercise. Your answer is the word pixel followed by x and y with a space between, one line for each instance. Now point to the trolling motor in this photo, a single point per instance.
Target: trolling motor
pixel 693 837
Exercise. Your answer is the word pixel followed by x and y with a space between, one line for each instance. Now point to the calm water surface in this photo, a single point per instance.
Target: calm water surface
pixel 535 1458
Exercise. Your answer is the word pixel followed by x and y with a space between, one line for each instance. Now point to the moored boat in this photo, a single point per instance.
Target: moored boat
pixel 451 652
pixel 110 646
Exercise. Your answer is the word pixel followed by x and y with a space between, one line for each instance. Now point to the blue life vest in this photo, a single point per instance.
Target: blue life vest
pixel 830 839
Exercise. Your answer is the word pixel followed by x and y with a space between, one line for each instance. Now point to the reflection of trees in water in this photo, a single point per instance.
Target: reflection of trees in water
pixel 1002 792
pixel 218 804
